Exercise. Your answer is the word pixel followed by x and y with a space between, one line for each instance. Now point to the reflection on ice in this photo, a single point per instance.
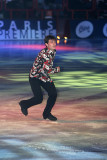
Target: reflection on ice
pixel 7 154
pixel 40 150
pixel 15 142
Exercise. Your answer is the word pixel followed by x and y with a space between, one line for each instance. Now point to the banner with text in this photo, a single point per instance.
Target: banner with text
pixel 26 29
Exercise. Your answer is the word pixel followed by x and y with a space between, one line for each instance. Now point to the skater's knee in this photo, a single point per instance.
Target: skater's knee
pixel 53 95
pixel 40 100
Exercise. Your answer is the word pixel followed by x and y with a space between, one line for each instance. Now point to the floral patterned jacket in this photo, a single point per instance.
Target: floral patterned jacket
pixel 43 64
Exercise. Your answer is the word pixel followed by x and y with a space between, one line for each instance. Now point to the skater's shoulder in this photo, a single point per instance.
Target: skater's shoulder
pixel 43 50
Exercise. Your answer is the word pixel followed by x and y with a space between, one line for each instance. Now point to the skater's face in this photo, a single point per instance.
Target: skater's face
pixel 51 44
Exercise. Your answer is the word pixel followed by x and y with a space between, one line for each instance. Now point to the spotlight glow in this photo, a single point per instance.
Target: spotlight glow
pixel 66 38
pixel 58 37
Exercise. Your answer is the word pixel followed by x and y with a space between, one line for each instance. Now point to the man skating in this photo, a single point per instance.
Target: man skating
pixel 39 77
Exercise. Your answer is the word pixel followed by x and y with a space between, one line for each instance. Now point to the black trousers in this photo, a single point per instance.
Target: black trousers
pixel 36 85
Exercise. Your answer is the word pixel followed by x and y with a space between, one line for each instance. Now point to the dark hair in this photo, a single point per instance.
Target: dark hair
pixel 47 38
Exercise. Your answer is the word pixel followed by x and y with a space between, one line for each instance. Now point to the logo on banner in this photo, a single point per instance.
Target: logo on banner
pixel 105 30
pixel 84 29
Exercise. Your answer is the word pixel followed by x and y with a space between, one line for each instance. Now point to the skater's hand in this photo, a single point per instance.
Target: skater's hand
pixel 58 69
